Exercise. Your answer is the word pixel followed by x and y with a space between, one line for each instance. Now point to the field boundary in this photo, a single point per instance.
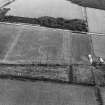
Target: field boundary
pixel 26 24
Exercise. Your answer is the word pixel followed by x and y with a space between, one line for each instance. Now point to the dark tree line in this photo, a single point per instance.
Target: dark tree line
pixel 73 24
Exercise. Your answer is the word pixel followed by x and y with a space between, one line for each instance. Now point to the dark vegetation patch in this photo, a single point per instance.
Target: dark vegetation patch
pixel 82 74
pixel 33 72
pixel 31 79
pixel 61 23
pixel 29 73
pixel 70 74
pixel 99 76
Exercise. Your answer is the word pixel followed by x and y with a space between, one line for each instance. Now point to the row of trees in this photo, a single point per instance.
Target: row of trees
pixel 73 24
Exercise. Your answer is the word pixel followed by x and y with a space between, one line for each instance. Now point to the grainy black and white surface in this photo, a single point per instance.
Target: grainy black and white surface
pixel 25 80
pixel 49 66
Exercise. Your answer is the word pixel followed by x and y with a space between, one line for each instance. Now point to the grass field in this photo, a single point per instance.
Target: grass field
pixel 43 93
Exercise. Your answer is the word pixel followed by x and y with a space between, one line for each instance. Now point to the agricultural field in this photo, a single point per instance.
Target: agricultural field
pixel 103 94
pixel 44 45
pixel 32 72
pixel 45 93
pixel 99 4
pixel 96 20
pixel 99 45
pixel 82 74
pixel 25 8
pixel 41 72
pixel 81 48
pixel 99 76
pixel 41 45
pixel 7 35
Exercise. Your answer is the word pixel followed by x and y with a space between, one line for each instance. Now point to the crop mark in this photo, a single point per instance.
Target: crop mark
pixel 13 45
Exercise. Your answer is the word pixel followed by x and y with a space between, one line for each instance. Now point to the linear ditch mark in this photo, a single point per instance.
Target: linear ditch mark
pixel 36 25
pixel 34 79
pixel 31 65
pixel 98 96
pixel 83 84
pixel 42 78
pixel 31 78
pixel 13 44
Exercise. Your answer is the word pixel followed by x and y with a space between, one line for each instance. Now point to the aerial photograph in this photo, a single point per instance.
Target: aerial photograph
pixel 52 52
